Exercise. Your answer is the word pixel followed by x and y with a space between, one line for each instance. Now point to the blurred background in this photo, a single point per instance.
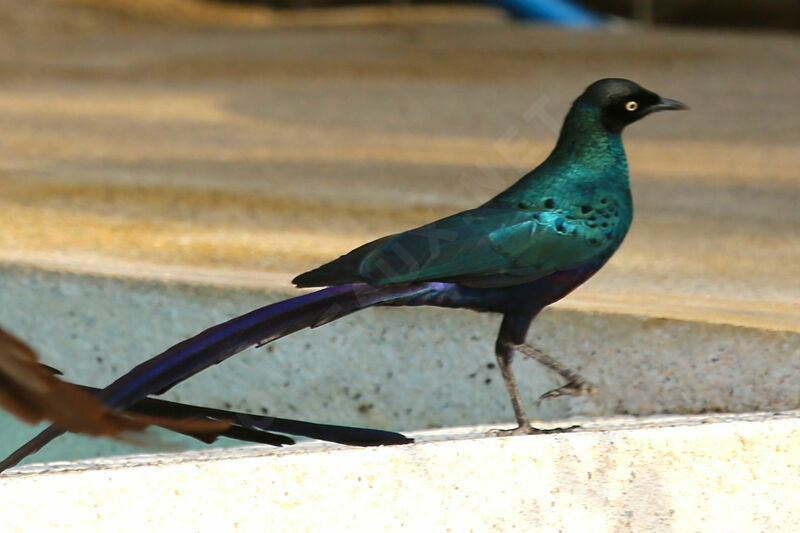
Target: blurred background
pixel 747 14
pixel 165 165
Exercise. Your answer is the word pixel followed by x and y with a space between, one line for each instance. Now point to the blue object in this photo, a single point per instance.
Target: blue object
pixel 559 12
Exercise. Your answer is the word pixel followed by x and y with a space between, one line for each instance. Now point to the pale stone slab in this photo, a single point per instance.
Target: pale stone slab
pixel 735 473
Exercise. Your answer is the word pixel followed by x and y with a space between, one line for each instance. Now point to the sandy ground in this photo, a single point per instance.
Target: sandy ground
pixel 246 155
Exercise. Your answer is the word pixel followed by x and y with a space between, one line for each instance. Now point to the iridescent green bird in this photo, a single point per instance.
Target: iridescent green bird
pixel 530 245
pixel 519 252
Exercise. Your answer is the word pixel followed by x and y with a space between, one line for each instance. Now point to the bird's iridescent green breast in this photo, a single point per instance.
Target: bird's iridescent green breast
pixel 582 190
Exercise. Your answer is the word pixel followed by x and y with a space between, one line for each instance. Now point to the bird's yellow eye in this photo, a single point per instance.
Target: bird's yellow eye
pixel 633 105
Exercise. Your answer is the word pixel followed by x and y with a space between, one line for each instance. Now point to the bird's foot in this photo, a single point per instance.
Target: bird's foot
pixel 576 387
pixel 527 429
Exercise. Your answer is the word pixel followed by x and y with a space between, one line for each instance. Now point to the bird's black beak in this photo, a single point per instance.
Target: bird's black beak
pixel 666 104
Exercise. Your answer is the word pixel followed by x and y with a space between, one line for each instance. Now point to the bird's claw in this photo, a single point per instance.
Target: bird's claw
pixel 576 387
pixel 527 429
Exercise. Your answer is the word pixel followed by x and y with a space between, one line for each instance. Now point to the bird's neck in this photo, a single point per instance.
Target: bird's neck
pixel 586 143
pixel 586 155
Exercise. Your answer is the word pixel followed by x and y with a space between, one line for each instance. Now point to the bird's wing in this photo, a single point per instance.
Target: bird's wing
pixel 498 245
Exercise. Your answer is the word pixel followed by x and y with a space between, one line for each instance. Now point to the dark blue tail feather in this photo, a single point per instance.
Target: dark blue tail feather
pixel 257 428
pixel 219 342
pixel 256 327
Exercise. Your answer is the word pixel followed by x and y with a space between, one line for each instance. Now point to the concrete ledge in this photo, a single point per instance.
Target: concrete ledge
pixel 91 326
pixel 401 369
pixel 729 473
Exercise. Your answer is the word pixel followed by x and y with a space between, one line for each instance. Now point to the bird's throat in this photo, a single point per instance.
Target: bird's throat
pixel 585 142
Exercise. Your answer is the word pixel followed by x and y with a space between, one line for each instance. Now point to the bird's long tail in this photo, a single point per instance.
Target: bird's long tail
pixel 254 428
pixel 219 342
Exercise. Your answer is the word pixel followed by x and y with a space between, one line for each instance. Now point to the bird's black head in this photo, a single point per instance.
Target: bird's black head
pixel 622 102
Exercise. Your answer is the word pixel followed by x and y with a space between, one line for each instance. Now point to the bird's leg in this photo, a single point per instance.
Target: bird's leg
pixel 504 355
pixel 512 333
pixel 575 386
